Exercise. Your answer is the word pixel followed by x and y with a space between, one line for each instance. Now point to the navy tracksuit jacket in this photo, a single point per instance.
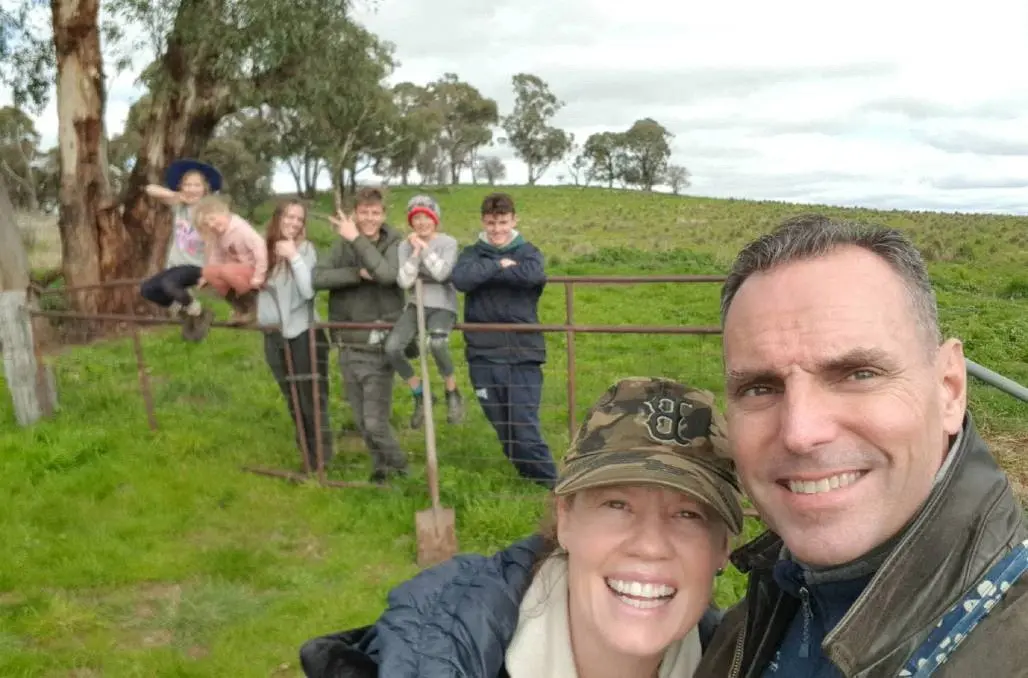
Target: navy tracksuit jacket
pixel 506 367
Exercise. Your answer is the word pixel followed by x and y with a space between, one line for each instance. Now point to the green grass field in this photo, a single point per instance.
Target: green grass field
pixel 131 553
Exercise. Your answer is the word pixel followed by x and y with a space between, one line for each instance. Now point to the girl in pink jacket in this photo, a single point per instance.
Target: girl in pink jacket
pixel 237 257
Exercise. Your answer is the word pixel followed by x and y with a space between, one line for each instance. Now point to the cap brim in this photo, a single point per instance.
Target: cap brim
pixel 661 469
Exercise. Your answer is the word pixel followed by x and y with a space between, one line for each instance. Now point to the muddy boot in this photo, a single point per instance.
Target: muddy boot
pixel 417 418
pixel 242 318
pixel 454 407
pixel 196 322
pixel 244 307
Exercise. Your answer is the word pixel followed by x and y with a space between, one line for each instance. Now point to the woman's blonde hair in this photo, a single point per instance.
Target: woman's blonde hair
pixel 548 531
pixel 207 207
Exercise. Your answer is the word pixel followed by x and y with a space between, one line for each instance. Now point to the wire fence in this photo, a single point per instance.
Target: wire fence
pixel 510 422
pixel 507 423
pixel 311 409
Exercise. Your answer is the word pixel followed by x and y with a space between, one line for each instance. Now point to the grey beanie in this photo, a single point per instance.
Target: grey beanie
pixel 425 205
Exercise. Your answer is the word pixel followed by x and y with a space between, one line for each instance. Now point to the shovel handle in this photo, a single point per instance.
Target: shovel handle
pixel 431 460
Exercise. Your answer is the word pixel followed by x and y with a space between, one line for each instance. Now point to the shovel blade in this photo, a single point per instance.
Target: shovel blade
pixel 436 531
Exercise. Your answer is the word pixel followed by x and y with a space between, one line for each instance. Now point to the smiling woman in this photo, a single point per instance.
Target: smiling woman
pixel 617 583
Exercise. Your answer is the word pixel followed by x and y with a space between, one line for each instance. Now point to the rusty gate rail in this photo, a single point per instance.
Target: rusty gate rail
pixel 569 328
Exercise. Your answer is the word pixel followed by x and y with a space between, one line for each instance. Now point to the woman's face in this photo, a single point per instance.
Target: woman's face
pixel 192 187
pixel 641 566
pixel 292 221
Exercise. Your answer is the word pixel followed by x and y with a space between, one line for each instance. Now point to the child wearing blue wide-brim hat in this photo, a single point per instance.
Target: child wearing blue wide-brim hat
pixel 187 180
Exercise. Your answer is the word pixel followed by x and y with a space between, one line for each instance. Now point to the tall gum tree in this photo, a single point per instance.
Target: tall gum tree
pixel 92 237
pixel 213 58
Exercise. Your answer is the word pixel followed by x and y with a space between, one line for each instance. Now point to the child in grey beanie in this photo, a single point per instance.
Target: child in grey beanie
pixel 429 255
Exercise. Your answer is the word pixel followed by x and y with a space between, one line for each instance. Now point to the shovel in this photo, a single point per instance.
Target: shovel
pixel 435 527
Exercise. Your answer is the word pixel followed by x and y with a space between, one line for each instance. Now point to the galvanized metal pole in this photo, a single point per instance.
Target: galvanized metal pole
pixel 996 380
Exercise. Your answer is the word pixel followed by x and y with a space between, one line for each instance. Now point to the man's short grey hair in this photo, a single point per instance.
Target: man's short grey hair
pixel 810 236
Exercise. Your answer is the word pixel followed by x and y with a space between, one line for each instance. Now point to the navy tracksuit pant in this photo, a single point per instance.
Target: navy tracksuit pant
pixel 510 395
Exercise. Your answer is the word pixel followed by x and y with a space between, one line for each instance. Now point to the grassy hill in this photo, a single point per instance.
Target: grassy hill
pixel 129 553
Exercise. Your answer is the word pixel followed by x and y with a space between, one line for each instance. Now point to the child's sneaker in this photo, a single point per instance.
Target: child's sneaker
pixel 454 407
pixel 244 307
pixel 417 418
pixel 243 318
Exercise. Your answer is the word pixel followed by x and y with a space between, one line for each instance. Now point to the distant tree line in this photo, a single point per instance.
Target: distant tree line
pixel 248 84
pixel 438 132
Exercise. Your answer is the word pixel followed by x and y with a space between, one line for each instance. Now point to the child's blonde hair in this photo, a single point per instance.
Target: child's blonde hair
pixel 207 207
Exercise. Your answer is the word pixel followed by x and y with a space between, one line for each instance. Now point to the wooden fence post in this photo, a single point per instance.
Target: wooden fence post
pixel 31 384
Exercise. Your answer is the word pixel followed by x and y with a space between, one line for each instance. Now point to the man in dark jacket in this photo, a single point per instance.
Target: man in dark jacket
pixel 502 276
pixel 896 546
pixel 360 274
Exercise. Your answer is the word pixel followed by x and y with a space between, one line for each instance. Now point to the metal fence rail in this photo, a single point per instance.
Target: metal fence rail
pixel 997 380
pixel 565 403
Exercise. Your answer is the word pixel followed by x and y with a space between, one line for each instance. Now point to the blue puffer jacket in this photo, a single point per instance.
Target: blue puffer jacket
pixel 454 620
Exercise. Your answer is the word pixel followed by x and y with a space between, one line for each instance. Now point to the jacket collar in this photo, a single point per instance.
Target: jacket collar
pixel 386 236
pixel 516 240
pixel 969 519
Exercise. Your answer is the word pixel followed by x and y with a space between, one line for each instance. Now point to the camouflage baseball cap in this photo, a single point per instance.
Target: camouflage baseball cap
pixel 647 430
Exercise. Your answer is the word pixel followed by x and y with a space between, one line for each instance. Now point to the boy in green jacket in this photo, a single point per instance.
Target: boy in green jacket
pixel 360 274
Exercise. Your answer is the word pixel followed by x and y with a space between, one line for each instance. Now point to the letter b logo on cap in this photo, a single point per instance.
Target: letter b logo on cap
pixel 676 421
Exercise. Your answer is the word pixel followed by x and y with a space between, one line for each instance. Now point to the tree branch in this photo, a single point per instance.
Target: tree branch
pixel 14 175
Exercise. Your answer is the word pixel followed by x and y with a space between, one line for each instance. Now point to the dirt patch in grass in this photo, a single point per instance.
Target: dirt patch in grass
pixel 309 547
pixel 151 598
pixel 1011 452
pixel 169 614
pixel 152 639
pixel 12 598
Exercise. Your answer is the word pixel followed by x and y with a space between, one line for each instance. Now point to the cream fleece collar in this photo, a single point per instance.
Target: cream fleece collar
pixel 541 647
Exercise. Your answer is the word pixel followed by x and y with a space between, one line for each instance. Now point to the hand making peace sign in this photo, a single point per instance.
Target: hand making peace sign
pixel 344 225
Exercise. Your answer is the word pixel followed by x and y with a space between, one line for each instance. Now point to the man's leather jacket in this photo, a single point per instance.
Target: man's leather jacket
pixel 970 521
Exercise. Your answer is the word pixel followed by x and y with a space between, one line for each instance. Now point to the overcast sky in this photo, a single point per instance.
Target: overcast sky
pixel 911 104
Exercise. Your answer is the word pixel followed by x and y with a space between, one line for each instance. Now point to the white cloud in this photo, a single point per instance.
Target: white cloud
pixel 911 104
pixel 892 104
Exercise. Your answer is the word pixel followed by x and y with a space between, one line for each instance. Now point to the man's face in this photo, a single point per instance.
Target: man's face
pixel 498 228
pixel 369 218
pixel 839 406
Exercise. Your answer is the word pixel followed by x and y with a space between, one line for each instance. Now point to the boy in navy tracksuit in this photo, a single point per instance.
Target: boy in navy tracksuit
pixel 502 278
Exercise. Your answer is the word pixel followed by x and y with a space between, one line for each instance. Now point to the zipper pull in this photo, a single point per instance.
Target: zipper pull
pixel 808 616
